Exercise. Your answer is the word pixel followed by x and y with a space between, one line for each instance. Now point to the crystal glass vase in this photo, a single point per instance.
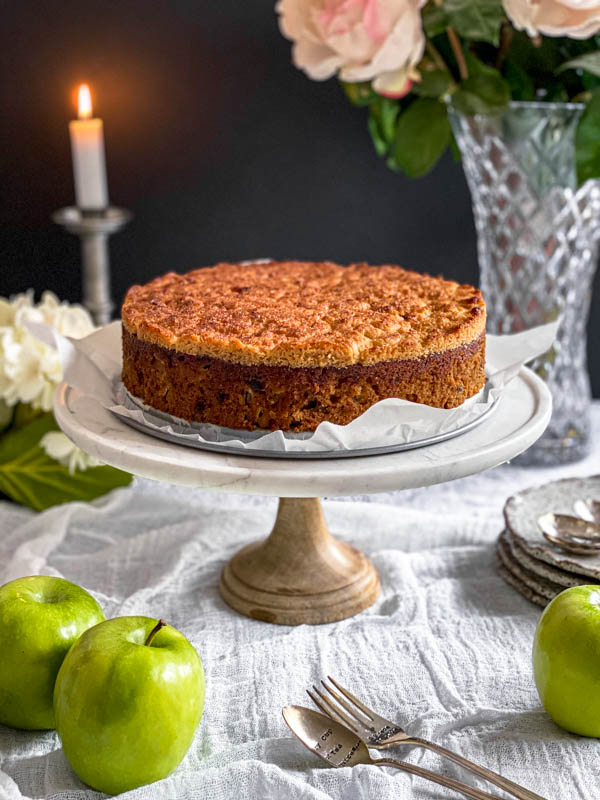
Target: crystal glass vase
pixel 537 237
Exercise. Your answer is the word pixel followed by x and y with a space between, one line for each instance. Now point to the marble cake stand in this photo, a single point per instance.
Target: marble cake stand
pixel 300 573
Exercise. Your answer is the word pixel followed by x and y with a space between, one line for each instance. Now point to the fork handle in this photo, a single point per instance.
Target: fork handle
pixel 504 783
pixel 442 780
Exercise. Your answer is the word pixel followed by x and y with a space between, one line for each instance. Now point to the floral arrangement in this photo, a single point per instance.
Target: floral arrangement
pixel 39 465
pixel 406 60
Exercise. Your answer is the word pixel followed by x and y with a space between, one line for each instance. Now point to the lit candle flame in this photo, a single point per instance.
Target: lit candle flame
pixel 84 102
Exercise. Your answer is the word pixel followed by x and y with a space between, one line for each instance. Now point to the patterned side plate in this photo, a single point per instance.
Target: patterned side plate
pixel 537 589
pixel 527 593
pixel 541 568
pixel 521 513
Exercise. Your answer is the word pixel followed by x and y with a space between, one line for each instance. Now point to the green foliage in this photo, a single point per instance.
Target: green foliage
pixel 434 83
pixel 590 62
pixel 546 65
pixel 454 149
pixel 30 477
pixel 379 143
pixel 477 66
pixel 24 413
pixel 587 142
pixel 359 94
pixel 6 415
pixel 477 20
pixel 435 20
pixel 422 134
pixel 503 64
pixel 519 82
pixel 589 82
pixel 383 114
pixel 482 94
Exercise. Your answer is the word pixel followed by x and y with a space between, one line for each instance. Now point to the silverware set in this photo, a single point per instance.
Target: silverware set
pixel 574 534
pixel 345 729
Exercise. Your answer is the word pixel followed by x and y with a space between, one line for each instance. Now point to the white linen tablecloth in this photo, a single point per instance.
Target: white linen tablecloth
pixel 445 650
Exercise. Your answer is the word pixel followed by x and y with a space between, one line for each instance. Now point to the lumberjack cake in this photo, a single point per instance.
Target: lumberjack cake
pixel 287 345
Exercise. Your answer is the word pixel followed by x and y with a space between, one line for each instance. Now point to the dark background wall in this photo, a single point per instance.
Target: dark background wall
pixel 220 147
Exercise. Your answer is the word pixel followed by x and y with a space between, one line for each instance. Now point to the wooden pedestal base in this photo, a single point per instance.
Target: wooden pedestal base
pixel 300 574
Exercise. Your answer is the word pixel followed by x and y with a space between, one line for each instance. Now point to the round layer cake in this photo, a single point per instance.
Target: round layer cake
pixel 287 345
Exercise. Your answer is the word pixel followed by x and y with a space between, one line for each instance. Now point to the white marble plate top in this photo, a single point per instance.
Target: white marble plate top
pixel 521 418
pixel 523 413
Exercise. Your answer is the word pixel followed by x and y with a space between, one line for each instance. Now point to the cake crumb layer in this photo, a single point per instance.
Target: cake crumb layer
pixel 204 389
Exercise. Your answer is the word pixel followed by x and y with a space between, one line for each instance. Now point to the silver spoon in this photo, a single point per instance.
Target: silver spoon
pixel 339 747
pixel 572 534
pixel 588 509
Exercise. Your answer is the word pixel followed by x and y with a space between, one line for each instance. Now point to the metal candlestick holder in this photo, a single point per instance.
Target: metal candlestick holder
pixel 94 230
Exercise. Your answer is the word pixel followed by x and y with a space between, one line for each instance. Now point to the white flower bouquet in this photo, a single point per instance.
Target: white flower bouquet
pixel 39 465
pixel 408 60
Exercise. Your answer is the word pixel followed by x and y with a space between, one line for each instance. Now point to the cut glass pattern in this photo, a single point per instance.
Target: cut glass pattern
pixel 537 236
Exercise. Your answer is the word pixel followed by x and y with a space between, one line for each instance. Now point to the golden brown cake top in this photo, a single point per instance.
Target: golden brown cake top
pixel 304 314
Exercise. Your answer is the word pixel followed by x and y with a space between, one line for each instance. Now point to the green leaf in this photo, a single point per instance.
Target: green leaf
pixel 478 67
pixel 482 94
pixel 389 110
pixel 587 141
pixel 434 83
pixel 590 62
pixel 30 477
pixel 521 84
pixel 6 415
pixel 422 134
pixel 359 94
pixel 589 82
pixel 455 150
pixel 24 414
pixel 476 20
pixel 383 113
pixel 435 19
pixel 379 143
pixel 392 164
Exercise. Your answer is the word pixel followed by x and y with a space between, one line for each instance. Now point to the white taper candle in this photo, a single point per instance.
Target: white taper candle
pixel 87 147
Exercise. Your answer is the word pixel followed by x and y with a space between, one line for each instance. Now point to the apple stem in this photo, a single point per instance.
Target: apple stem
pixel 160 624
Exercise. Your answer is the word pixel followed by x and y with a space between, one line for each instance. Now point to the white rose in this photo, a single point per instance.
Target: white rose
pixel 578 19
pixel 362 40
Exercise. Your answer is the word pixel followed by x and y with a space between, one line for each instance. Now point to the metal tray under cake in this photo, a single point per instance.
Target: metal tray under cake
pixel 229 449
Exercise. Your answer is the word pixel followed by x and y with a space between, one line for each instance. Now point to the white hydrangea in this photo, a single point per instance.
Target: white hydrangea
pixel 61 449
pixel 29 369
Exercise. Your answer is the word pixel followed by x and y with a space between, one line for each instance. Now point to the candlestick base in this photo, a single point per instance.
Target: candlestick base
pixel 94 230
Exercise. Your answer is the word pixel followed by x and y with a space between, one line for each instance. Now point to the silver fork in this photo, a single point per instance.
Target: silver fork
pixel 380 733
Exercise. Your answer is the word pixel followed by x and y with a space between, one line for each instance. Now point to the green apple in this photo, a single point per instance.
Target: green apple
pixel 128 699
pixel 566 660
pixel 40 618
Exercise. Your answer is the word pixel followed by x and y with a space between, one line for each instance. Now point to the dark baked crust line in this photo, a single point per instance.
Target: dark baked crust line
pixel 203 389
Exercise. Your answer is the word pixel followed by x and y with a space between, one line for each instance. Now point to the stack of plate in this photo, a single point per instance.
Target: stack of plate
pixel 529 563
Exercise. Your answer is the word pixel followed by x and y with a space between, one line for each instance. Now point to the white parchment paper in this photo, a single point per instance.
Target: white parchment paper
pixel 93 366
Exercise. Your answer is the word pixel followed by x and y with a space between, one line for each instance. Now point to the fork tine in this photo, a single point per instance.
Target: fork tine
pixel 352 698
pixel 330 710
pixel 318 703
pixel 360 718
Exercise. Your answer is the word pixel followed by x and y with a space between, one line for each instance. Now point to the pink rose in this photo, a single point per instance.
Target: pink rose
pixel 362 40
pixel 578 19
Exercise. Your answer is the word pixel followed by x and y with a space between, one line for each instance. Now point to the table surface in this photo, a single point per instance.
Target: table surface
pixel 445 650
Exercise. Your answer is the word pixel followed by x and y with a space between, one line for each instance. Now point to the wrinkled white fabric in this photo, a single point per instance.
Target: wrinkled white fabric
pixel 445 650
